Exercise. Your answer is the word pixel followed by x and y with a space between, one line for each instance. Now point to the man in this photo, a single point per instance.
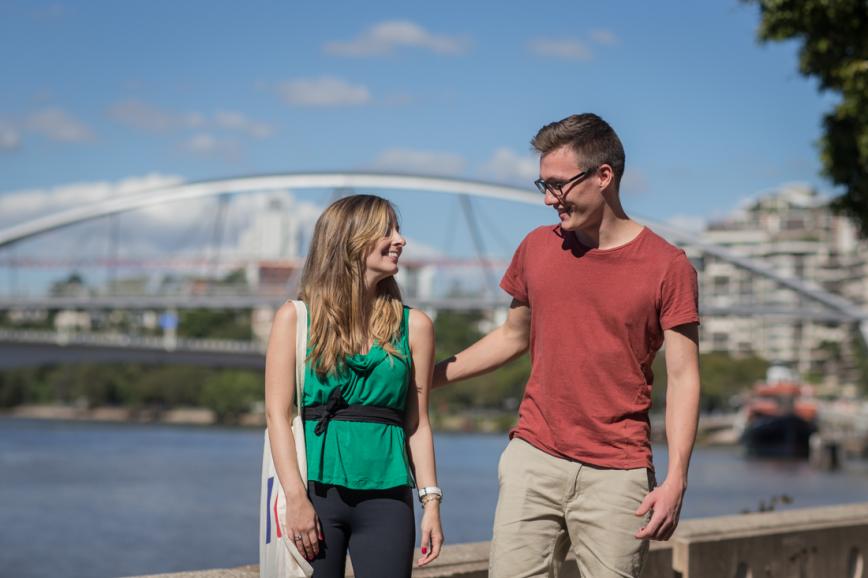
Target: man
pixel 594 298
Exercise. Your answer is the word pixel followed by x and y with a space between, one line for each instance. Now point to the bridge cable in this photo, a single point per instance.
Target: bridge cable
pixel 451 224
pixel 217 235
pixel 473 226
pixel 114 233
pixel 13 268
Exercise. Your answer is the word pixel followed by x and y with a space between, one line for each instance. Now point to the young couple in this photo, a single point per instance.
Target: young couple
pixel 594 298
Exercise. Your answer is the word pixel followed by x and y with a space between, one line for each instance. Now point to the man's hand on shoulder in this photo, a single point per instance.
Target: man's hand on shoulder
pixel 439 378
pixel 664 502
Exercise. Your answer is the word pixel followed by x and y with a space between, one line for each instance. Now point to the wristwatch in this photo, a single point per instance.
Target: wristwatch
pixel 430 491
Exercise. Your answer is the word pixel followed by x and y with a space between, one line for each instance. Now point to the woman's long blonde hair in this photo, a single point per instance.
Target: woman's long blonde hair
pixel 342 322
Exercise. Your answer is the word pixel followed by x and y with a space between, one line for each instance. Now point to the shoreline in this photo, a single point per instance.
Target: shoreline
pixel 467 422
pixel 177 416
pixel 486 422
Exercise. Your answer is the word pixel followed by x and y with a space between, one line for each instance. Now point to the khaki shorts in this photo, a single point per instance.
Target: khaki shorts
pixel 547 504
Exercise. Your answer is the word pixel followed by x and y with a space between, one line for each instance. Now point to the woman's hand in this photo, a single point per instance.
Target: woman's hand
pixel 302 525
pixel 432 533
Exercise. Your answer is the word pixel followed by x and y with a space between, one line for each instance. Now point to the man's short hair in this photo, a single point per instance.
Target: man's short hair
pixel 589 136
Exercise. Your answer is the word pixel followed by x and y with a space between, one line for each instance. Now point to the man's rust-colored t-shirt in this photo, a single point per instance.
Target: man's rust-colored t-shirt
pixel 597 321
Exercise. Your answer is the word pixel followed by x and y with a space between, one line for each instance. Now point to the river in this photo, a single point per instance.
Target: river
pixel 96 500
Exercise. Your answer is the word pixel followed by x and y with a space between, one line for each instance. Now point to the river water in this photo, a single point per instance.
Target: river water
pixel 95 500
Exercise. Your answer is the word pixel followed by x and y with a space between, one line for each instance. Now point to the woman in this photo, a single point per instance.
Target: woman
pixel 365 401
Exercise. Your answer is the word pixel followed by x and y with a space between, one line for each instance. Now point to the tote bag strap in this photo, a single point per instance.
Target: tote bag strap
pixel 300 351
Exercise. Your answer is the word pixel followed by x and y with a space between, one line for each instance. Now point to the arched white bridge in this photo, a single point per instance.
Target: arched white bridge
pixel 842 308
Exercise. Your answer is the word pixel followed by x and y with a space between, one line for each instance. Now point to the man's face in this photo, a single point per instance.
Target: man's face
pixel 580 203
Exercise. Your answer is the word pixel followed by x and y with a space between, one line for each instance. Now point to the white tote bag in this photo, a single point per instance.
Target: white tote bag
pixel 278 556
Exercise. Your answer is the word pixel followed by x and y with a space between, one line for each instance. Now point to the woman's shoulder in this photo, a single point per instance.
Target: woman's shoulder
pixel 286 313
pixel 419 322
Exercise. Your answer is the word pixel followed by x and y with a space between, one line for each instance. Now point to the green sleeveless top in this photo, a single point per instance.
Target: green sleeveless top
pixel 362 455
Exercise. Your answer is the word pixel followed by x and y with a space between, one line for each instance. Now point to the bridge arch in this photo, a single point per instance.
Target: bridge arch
pixel 390 181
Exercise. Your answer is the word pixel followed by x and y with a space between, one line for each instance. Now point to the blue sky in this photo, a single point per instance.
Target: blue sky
pixel 101 92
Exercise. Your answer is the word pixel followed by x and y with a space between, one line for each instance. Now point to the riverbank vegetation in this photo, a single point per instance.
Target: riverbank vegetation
pixel 487 402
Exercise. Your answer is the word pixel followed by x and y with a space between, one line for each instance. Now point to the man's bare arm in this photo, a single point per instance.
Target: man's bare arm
pixel 502 345
pixel 682 397
pixel 682 414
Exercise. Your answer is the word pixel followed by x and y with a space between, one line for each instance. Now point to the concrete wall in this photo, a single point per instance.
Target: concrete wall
pixel 829 542
pixel 817 542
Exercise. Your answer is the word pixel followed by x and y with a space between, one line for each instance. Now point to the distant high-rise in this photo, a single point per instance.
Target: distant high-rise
pixel 274 232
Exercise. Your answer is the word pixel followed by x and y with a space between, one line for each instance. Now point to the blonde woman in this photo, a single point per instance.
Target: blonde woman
pixel 365 402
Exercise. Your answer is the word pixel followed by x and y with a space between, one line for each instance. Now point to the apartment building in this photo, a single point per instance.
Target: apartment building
pixel 792 230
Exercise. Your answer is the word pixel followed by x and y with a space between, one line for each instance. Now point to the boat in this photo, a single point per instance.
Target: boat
pixel 780 417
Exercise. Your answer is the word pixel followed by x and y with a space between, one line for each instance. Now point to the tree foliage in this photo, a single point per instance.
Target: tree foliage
pixel 502 388
pixel 229 393
pixel 834 50
pixel 215 324
pixel 722 377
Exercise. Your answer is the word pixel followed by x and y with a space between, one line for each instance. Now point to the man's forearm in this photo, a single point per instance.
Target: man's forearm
pixel 492 351
pixel 682 415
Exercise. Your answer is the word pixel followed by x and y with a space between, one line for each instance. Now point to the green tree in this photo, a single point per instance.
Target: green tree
pixel 499 389
pixel 215 324
pixel 834 50
pixel 167 386
pixel 860 355
pixel 91 383
pixel 231 393
pixel 235 277
pixel 14 388
pixel 71 285
pixel 722 376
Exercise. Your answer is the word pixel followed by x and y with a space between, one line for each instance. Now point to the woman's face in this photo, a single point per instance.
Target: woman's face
pixel 382 261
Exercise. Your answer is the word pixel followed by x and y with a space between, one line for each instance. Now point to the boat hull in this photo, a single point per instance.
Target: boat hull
pixel 782 436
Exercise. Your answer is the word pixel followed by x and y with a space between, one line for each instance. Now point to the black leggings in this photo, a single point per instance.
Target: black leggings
pixel 377 526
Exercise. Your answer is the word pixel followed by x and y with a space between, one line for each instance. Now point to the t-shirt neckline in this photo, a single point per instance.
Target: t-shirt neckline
pixel 596 250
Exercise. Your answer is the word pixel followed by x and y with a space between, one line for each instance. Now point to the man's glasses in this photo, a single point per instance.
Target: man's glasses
pixel 557 187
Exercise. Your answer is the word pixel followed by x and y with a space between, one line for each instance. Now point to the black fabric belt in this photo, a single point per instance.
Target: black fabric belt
pixel 337 408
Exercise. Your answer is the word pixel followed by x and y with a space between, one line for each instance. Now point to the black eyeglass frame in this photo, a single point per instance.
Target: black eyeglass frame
pixel 543 186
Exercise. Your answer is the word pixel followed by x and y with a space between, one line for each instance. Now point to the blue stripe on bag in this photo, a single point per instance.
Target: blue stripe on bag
pixel 268 512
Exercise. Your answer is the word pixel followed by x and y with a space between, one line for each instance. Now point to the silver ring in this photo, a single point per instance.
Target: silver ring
pixel 298 536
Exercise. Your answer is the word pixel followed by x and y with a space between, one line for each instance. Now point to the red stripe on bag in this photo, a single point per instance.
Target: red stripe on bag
pixel 276 519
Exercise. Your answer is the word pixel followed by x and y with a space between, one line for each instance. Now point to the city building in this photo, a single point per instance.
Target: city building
pixel 793 231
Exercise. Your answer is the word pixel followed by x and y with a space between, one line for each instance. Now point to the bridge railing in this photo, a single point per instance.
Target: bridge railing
pixel 64 338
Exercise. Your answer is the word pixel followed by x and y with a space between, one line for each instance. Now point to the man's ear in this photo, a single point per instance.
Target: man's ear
pixel 606 175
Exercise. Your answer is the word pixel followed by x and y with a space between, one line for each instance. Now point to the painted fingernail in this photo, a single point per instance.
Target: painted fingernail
pixel 424 550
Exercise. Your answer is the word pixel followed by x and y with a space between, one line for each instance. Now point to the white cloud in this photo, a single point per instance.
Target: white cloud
pixel 206 144
pixel 168 230
pixel 420 162
pixel 688 223
pixel 387 37
pixel 324 91
pixel 202 143
pixel 142 116
pixel 603 36
pixel 509 166
pixel 58 125
pixel 149 118
pixel 239 122
pixel 10 139
pixel 23 205
pixel 567 49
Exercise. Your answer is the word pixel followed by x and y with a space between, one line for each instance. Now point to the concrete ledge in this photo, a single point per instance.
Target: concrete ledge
pixel 251 571
pixel 821 542
pixel 457 561
pixel 811 542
